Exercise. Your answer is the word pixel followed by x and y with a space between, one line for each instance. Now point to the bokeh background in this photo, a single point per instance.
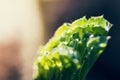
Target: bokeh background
pixel 27 24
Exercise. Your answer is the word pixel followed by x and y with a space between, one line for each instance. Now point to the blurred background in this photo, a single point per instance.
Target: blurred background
pixel 27 24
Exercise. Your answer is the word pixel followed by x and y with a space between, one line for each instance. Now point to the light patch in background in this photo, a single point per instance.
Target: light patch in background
pixel 21 22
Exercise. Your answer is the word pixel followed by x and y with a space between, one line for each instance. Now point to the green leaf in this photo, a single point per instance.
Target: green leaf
pixel 82 22
pixel 73 50
pixel 62 29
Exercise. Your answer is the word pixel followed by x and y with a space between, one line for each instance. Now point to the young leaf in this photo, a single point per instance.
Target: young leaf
pixel 72 51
